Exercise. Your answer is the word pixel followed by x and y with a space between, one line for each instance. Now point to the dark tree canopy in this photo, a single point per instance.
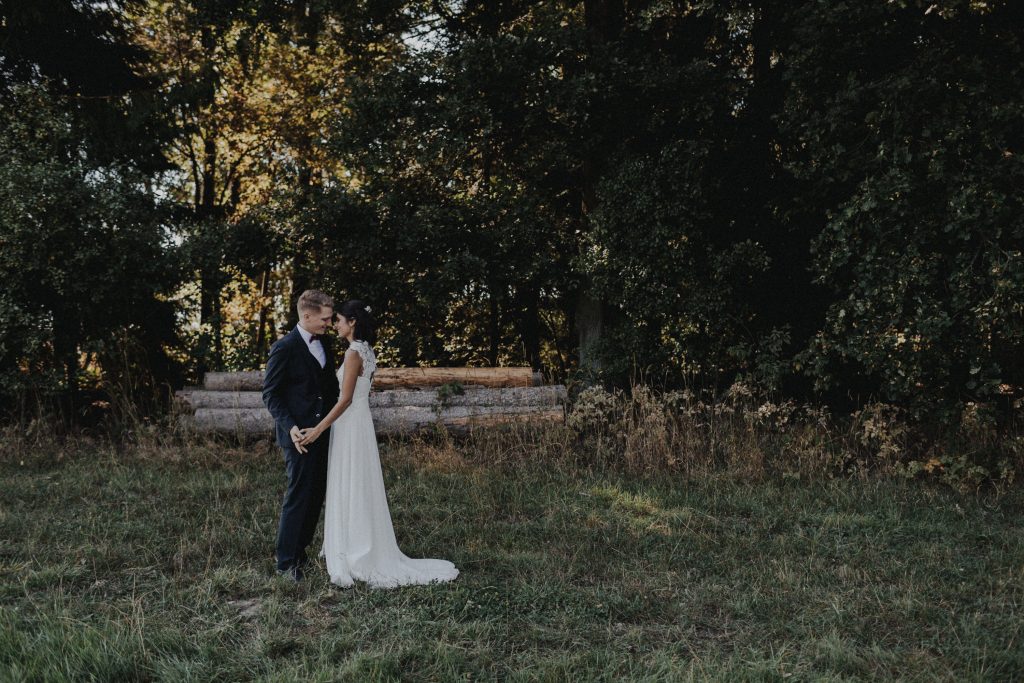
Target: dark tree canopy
pixel 821 199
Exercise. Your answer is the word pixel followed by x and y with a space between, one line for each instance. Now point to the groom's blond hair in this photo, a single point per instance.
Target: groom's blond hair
pixel 313 300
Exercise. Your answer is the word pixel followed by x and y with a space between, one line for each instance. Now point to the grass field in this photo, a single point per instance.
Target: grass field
pixel 115 566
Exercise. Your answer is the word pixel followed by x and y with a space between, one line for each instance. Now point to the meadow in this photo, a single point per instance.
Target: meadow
pixel 156 564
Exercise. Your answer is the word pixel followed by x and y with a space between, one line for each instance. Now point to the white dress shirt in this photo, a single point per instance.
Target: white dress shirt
pixel 316 348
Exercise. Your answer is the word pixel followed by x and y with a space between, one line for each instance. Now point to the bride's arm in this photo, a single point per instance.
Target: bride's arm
pixel 353 366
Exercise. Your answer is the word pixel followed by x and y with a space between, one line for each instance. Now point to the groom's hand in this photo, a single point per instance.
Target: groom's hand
pixel 296 435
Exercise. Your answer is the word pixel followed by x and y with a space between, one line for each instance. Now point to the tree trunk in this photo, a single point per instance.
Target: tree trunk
pixel 300 261
pixel 65 350
pixel 493 327
pixel 308 23
pixel 769 185
pixel 209 286
pixel 529 323
pixel 590 328
pixel 261 324
pixel 603 20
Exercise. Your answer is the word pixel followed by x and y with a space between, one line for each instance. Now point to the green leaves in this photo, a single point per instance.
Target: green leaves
pixel 928 215
pixel 819 197
pixel 83 251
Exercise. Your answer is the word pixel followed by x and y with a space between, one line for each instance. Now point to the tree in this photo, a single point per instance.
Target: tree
pixel 910 136
pixel 85 254
pixel 83 248
pixel 250 88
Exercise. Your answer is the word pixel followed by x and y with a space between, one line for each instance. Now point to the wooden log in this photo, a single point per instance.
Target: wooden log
pixel 473 396
pixel 409 420
pixel 201 398
pixel 240 420
pixel 395 378
pixel 387 420
pixel 233 381
pixel 548 395
pixel 551 415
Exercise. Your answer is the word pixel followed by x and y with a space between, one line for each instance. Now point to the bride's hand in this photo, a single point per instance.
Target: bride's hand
pixel 309 435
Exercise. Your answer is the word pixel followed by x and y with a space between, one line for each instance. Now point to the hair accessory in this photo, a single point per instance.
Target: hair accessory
pixel 367 309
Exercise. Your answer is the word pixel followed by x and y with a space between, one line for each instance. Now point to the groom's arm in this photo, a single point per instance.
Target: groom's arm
pixel 273 383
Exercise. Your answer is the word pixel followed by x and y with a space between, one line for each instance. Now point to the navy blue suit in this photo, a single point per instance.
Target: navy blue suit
pixel 298 393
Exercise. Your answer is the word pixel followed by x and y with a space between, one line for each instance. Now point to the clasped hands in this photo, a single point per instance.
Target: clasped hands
pixel 304 437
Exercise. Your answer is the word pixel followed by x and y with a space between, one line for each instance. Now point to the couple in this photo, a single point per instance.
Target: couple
pixel 307 398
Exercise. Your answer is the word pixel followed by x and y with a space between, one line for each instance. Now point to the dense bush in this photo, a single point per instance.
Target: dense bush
pixel 85 260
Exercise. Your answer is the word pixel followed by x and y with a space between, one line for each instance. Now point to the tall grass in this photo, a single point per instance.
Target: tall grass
pixel 154 563
pixel 755 436
pixel 651 537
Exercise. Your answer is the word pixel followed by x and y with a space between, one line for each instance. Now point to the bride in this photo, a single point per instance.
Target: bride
pixel 359 539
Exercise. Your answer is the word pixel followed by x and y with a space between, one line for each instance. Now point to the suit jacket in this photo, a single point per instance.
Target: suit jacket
pixel 296 390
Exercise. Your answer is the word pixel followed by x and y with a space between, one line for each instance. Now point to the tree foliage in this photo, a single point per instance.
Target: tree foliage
pixel 816 197
pixel 85 256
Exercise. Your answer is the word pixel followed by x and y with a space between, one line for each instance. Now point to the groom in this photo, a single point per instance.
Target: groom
pixel 299 387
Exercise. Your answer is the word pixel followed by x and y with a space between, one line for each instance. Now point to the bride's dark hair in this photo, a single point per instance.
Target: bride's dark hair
pixel 366 324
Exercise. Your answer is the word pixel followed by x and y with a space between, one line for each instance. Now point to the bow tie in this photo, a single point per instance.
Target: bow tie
pixel 314 337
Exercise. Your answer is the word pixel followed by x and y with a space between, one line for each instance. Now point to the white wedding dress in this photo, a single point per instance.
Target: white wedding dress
pixel 359 539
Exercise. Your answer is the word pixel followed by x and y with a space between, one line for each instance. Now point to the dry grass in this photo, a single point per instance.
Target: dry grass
pixel 153 562
pixel 652 537
pixel 754 437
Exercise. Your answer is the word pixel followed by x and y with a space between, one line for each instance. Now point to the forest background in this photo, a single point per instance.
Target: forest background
pixel 819 200
pixel 773 249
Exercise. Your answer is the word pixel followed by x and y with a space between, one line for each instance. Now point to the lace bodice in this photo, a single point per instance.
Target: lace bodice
pixel 369 359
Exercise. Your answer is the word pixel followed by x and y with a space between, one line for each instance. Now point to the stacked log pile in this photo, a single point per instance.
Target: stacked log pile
pixel 402 400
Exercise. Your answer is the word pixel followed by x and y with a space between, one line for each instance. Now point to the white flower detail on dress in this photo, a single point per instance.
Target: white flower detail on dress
pixel 367 355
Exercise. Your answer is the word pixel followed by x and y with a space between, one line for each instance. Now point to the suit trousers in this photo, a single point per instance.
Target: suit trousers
pixel 303 501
